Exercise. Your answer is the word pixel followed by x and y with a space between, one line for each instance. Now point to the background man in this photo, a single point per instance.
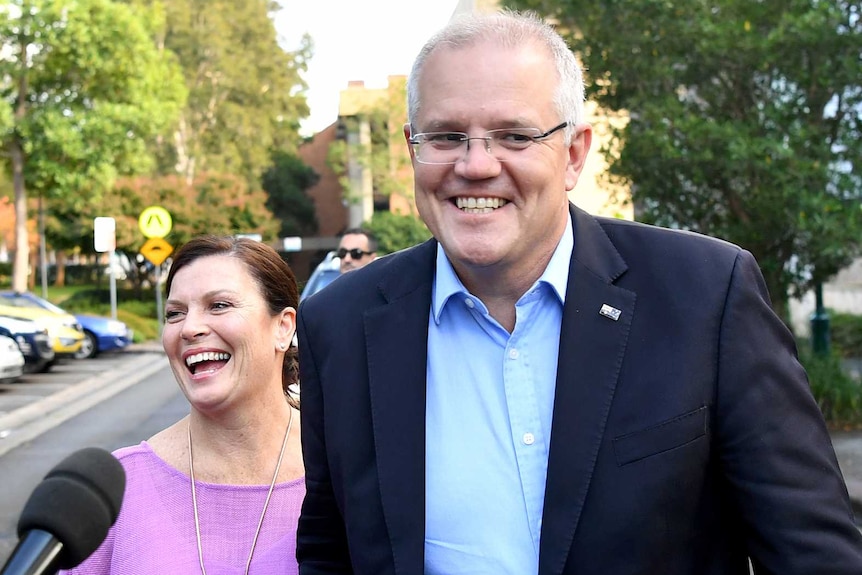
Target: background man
pixel 357 248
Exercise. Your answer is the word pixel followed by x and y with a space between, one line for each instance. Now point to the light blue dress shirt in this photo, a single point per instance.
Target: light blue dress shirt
pixel 489 405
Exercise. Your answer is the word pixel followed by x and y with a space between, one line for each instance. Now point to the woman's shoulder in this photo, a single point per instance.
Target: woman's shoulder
pixel 131 452
pixel 141 460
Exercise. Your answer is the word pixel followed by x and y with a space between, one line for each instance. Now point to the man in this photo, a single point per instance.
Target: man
pixel 357 248
pixel 536 390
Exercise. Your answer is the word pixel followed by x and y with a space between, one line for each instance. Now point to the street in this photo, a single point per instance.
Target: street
pixel 108 402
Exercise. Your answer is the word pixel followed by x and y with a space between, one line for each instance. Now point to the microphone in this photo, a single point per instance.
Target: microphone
pixel 69 513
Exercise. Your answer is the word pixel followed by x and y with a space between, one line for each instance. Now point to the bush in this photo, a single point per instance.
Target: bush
pixel 846 332
pixel 396 231
pixel 138 314
pixel 98 300
pixel 839 397
pixel 145 329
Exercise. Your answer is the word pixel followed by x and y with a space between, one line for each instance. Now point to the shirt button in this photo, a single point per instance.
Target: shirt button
pixel 469 303
pixel 513 353
pixel 528 439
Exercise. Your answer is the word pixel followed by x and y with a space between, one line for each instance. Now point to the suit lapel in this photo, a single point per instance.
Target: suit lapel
pixel 397 340
pixel 592 346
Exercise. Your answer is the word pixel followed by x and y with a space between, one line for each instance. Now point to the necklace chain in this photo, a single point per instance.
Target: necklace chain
pixel 265 504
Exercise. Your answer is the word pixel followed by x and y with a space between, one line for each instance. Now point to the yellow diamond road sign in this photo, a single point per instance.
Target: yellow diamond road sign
pixel 156 250
pixel 155 222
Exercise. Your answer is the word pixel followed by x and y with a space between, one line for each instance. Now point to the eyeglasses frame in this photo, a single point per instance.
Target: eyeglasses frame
pixel 487 139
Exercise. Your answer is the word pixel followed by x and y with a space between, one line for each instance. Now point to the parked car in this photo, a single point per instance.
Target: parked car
pixel 32 340
pixel 11 360
pixel 65 331
pixel 323 275
pixel 102 334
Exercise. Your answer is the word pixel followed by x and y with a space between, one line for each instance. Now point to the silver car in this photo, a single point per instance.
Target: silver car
pixel 11 360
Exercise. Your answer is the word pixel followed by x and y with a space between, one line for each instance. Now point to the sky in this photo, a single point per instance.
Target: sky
pixel 366 40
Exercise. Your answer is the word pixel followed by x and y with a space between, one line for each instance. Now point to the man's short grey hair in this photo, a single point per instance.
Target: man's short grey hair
pixel 509 29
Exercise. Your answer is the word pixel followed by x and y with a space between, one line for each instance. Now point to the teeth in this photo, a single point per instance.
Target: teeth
pixel 206 356
pixel 480 205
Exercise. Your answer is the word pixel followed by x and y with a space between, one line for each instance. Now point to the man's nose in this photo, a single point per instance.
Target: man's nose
pixel 478 160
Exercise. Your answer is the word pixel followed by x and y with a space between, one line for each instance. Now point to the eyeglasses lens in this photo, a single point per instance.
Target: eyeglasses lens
pixel 355 253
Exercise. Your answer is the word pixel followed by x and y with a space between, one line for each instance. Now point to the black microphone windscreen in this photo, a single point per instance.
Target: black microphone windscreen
pixel 77 503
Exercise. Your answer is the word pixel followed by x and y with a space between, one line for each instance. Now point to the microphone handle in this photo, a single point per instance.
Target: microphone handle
pixel 36 554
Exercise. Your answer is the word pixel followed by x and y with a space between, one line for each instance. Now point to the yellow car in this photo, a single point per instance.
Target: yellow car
pixel 65 332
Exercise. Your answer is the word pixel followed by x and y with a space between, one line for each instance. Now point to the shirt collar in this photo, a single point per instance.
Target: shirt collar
pixel 556 274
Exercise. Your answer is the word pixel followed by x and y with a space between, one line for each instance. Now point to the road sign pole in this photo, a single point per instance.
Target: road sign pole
pixel 155 222
pixel 159 312
pixel 113 277
pixel 105 240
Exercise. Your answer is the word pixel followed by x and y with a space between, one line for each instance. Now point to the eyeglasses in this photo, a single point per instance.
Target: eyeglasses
pixel 438 148
pixel 355 253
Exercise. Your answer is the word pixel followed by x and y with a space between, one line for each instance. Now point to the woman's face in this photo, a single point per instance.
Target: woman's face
pixel 219 336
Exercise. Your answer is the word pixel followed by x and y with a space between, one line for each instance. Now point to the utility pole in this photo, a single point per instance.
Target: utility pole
pixel 819 324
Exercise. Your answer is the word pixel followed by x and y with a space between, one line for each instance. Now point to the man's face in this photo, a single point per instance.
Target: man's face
pixel 352 242
pixel 488 87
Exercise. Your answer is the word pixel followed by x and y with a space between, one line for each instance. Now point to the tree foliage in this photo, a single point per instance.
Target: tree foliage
pixel 246 95
pixel 83 90
pixel 212 203
pixel 744 120
pixel 286 183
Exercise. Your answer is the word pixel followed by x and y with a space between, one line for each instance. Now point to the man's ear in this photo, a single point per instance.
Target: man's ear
pixel 578 151
pixel 407 136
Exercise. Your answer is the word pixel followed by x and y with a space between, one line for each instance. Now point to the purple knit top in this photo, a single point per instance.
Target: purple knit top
pixel 155 531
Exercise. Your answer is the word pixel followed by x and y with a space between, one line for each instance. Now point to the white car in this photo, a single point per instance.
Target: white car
pixel 11 360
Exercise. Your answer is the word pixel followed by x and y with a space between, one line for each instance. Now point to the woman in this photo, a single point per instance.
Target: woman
pixel 220 490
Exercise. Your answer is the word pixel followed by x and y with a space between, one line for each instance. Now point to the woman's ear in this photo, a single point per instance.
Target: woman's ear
pixel 286 328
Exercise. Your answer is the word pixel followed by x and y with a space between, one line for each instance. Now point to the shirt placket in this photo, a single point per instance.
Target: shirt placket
pixel 528 437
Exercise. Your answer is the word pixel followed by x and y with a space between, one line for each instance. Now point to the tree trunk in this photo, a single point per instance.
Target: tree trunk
pixel 34 267
pixel 60 280
pixel 20 270
pixel 21 263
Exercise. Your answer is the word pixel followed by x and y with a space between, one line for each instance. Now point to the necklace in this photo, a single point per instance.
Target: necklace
pixel 265 503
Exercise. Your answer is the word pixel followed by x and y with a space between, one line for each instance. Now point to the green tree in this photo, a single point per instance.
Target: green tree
pixel 87 88
pixel 396 231
pixel 212 203
pixel 286 183
pixel 744 121
pixel 246 95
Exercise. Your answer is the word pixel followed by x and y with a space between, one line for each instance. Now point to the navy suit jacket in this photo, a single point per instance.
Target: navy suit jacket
pixel 685 438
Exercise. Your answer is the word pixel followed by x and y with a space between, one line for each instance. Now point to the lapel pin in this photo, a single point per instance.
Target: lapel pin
pixel 610 312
